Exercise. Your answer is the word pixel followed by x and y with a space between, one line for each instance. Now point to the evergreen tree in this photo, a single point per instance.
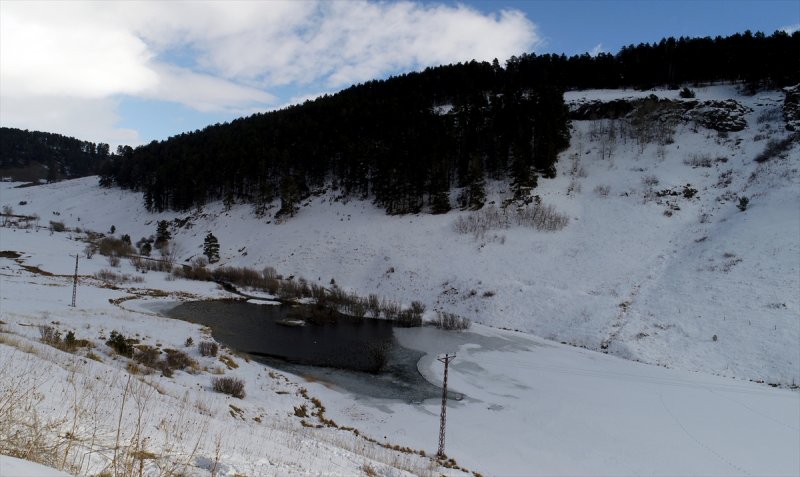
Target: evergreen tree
pixel 211 248
pixel 475 194
pixel 162 233
pixel 440 203
pixel 290 197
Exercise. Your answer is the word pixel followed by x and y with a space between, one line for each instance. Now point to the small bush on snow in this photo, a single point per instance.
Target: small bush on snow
pixel 229 385
pixel 110 246
pixel 122 345
pixel 208 348
pixel 451 321
pixel 177 359
pixel 743 203
pixel 602 190
pixel 776 147
pixel 147 356
pixel 49 335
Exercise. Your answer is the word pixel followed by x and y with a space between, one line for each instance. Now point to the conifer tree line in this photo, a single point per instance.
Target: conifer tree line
pixel 407 141
pixel 63 156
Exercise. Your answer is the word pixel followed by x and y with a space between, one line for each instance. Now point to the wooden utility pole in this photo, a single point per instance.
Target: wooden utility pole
pixel 443 416
pixel 75 282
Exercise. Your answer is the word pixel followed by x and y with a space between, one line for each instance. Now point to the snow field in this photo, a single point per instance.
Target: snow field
pixel 708 290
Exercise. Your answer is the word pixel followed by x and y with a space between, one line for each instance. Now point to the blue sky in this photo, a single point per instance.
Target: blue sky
pixel 577 26
pixel 132 72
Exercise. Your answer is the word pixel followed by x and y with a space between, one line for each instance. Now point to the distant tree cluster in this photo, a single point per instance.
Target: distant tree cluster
pixel 407 141
pixel 755 59
pixel 61 156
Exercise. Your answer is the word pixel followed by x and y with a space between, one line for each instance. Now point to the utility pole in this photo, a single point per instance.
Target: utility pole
pixel 443 416
pixel 75 282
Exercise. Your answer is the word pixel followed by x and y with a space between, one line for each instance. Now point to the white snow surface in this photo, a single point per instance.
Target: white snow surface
pixel 710 294
pixel 13 467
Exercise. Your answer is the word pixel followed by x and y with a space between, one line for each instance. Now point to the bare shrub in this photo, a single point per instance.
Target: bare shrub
pixel 109 276
pixel 166 371
pixel 177 359
pixel 208 348
pixel 242 276
pixel 408 319
pixel 374 304
pixel 114 260
pixel 369 471
pixel 303 289
pixel 269 272
pixel 650 181
pixel 147 355
pixel 318 293
pixel 776 147
pixel 196 271
pixel 390 309
pixel 602 190
pixel 537 215
pixel 289 290
pixel 145 264
pixel 57 226
pixel 109 246
pixel 229 362
pixel 170 253
pixel 451 321
pixel 229 385
pixel 699 160
pixel 353 305
pixel 272 285
pixel 49 335
pixel 541 217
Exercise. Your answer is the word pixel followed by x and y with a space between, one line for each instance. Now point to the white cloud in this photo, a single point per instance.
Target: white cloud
pixel 238 51
pixel 202 92
pixel 598 48
pixel 790 28
pixel 64 58
pixel 83 118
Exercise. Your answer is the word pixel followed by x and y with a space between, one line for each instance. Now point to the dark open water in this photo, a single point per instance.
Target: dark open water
pixel 359 355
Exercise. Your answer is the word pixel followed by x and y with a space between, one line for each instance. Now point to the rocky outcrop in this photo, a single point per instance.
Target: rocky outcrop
pixel 724 116
pixel 719 115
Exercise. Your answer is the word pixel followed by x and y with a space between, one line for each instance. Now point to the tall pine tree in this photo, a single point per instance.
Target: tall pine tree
pixel 211 248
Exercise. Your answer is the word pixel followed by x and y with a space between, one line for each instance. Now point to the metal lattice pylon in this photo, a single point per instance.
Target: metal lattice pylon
pixel 75 282
pixel 443 416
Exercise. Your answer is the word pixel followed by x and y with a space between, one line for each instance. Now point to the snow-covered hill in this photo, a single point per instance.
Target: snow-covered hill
pixel 656 264
pixel 685 280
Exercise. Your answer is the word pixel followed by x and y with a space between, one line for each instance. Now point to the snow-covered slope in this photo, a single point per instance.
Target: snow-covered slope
pixel 524 406
pixel 649 278
pixel 689 282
